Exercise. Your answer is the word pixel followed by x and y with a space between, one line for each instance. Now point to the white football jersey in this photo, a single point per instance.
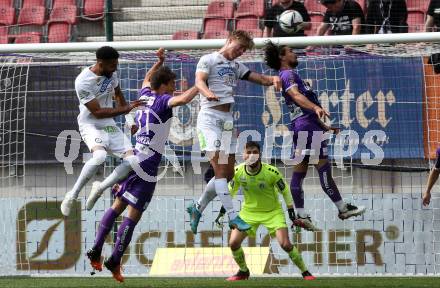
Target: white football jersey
pixel 90 86
pixel 223 76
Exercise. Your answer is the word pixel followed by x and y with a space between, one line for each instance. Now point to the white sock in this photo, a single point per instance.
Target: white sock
pixel 301 212
pixel 119 173
pixel 221 188
pixel 207 196
pixel 88 171
pixel 341 206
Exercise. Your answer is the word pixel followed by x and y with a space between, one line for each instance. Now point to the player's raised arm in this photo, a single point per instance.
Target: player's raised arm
pixel 201 78
pixel 183 98
pixel 101 113
pixel 303 102
pixel 265 80
pixel 160 59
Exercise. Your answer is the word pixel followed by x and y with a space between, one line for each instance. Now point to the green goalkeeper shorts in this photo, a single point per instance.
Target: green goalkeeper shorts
pixel 272 220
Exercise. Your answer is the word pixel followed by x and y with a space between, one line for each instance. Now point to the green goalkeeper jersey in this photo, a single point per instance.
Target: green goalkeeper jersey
pixel 261 189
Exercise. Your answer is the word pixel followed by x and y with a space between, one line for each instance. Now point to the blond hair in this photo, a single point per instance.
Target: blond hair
pixel 243 37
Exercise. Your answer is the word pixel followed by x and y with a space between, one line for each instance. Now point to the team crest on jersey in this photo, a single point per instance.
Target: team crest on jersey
pixel 262 185
pixel 105 84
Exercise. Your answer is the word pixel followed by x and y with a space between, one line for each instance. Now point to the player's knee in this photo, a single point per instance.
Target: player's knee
pixel 286 245
pixel 98 157
pixel 234 244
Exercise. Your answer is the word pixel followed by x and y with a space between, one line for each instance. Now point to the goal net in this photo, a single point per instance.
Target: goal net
pixel 382 96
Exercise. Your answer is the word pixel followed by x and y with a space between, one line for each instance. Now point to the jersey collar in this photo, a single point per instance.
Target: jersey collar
pixel 258 172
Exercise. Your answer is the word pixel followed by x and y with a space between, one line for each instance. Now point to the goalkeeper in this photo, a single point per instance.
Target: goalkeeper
pixel 259 183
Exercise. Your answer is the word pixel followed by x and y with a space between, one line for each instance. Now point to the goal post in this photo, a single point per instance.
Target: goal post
pixel 380 90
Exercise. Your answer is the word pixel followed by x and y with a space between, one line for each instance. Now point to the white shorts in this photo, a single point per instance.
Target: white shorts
pixel 216 132
pixel 110 137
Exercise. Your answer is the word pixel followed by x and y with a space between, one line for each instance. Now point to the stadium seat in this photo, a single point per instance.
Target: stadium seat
pixel 316 20
pixel 7 16
pixel 4 39
pixel 59 3
pixel 250 8
pixel 6 3
pixel 247 23
pixel 33 3
pixel 32 15
pixel 93 10
pixel 185 35
pixel 28 37
pixel 416 21
pixel 4 30
pixel 417 5
pixel 314 7
pixel 220 9
pixel 216 34
pixel 215 25
pixel 58 32
pixel 65 13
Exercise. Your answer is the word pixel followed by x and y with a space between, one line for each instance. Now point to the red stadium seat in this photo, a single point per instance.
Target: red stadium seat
pixel 185 35
pixel 6 3
pixel 4 39
pixel 250 8
pixel 58 32
pixel 416 22
pixel 33 3
pixel 4 30
pixel 215 25
pixel 316 20
pixel 59 3
pixel 64 14
pixel 314 7
pixel 24 38
pixel 220 9
pixel 216 34
pixel 247 23
pixel 93 10
pixel 417 5
pixel 32 15
pixel 7 15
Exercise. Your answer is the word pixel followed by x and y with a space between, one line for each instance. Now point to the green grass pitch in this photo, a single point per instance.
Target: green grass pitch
pixel 147 282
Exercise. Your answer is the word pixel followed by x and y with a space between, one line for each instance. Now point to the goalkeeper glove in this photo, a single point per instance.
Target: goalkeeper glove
pixel 219 219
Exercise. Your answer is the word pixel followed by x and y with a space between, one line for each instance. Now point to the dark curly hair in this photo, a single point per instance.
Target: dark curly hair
pixel 272 55
pixel 163 75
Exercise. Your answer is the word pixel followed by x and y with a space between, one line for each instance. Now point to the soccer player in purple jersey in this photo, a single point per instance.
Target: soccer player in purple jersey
pixel 153 121
pixel 433 177
pixel 306 113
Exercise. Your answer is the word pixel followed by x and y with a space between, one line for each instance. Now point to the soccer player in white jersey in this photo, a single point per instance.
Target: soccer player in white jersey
pixel 217 75
pixel 96 87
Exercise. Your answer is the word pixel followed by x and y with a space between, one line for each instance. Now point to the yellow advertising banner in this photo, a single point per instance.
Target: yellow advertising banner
pixel 209 261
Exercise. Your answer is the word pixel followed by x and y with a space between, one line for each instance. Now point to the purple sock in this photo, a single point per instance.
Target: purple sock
pixel 125 232
pixel 104 228
pixel 328 184
pixel 296 189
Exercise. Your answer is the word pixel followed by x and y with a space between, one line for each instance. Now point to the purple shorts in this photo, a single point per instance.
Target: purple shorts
pixel 303 140
pixel 135 191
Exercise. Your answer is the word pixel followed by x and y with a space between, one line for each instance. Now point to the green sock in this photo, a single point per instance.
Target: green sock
pixel 297 259
pixel 239 258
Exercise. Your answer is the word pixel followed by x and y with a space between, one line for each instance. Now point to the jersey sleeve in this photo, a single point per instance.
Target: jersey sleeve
pixel 282 187
pixel 242 70
pixel 83 92
pixel 431 8
pixel 289 80
pixel 357 11
pixel 204 64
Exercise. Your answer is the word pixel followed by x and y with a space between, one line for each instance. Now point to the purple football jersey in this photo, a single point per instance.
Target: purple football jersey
pixel 154 123
pixel 290 78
